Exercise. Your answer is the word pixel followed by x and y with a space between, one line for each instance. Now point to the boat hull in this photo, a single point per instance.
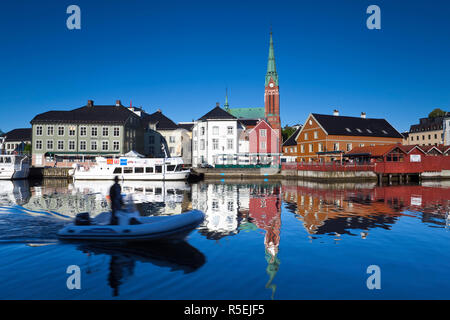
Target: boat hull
pixel 151 228
pixel 181 175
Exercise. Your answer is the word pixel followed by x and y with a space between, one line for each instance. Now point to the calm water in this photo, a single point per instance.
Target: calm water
pixel 270 240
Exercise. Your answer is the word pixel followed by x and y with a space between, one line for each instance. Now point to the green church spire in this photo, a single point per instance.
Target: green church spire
pixel 226 105
pixel 271 68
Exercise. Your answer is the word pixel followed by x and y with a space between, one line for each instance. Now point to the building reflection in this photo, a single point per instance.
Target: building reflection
pixel 346 208
pixel 231 208
pixel 16 192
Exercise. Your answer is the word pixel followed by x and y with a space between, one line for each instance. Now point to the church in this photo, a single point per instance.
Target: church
pixel 271 111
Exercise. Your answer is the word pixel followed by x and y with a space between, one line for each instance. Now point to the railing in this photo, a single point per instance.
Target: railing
pixel 327 166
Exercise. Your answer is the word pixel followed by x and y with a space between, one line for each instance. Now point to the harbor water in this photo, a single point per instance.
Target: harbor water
pixel 264 240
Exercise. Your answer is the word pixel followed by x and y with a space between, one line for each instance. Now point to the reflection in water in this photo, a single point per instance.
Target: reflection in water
pixel 174 255
pixel 230 208
pixel 331 209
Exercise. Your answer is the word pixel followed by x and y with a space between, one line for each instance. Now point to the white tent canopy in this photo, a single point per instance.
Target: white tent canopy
pixel 133 154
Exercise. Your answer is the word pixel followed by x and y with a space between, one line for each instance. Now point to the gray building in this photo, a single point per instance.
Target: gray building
pixel 63 137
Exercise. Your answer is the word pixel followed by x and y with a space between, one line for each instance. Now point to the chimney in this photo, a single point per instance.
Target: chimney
pixel 363 115
pixel 217 104
pixel 90 103
pixel 159 110
pixel 118 103
pixel 335 112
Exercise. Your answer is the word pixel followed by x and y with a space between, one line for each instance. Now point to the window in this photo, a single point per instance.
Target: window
pixel 171 167
pixel 172 139
pixel 105 131
pixel 158 169
pixel 215 130
pixel 117 170
pixel 359 130
pixel 195 145
pixel 83 131
pixel 71 145
pixel 105 145
pixel 61 145
pixel 369 131
pixel 230 143
pixel 230 130
pixel 38 144
pixel 194 133
pixel 127 170
pixel 93 145
pixel 361 144
pixel 172 150
pixel 263 132
pixel 336 146
pixel 306 136
pixel 348 129
pixel 50 130
pixel 94 131
pixel 384 131
pixel 116 131
pixel 302 148
pixel 39 131
pixel 316 135
pixel 138 170
pixel 49 144
pixel 82 145
pixel 215 143
pixel 320 147
pixel 149 170
pixel 202 131
pixel 202 144
pixel 311 147
pixel 349 146
pixel 116 145
pixel 263 145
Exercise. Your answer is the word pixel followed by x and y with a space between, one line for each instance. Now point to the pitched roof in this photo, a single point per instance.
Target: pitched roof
pixel 218 114
pixel 186 125
pixel 356 126
pixel 374 151
pixel 291 140
pixel 249 123
pixel 427 124
pixel 247 113
pixel 161 121
pixel 104 114
pixel 22 134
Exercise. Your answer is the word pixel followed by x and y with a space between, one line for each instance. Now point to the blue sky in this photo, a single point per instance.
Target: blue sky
pixel 180 56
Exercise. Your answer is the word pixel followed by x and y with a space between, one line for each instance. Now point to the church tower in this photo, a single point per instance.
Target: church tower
pixel 272 93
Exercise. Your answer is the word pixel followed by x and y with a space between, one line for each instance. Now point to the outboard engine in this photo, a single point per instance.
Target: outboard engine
pixel 82 219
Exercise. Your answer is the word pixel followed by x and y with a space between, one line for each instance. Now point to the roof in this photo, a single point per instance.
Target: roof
pixel 373 151
pixel 186 125
pixel 427 124
pixel 22 134
pixel 160 120
pixel 105 114
pixel 248 113
pixel 356 126
pixel 291 140
pixel 249 123
pixel 218 114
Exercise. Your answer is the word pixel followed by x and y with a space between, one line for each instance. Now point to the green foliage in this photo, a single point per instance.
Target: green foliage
pixel 437 113
pixel 286 132
pixel 27 148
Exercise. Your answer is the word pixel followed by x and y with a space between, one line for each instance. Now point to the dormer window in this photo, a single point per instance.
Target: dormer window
pixel 384 131
pixel 348 129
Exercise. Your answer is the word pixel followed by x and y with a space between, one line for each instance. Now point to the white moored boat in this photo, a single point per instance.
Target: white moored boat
pixel 14 167
pixel 132 168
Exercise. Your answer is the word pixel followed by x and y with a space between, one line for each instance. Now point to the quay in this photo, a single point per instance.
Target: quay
pixel 49 173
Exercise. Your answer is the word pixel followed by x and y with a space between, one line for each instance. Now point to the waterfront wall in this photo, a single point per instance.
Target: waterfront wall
pixel 42 173
pixel 329 175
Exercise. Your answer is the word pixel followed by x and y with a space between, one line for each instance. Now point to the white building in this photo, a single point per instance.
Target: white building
pixel 215 136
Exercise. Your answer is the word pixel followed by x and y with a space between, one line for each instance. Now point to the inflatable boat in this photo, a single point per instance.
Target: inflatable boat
pixel 132 227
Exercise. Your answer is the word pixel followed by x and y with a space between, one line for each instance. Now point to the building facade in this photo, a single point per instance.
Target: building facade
pixel 63 137
pixel 15 141
pixel 263 139
pixel 215 137
pixel 428 132
pixel 326 138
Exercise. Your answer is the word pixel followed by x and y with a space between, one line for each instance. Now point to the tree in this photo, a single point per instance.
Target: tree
pixel 286 132
pixel 437 113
